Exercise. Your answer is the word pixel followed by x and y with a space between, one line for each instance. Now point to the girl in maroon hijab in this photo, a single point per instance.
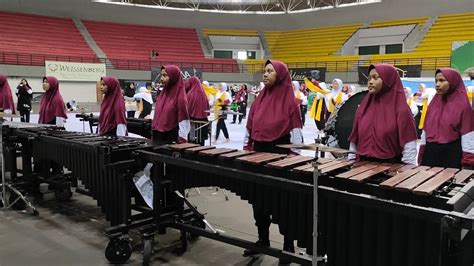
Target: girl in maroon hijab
pixel 274 119
pixel 6 98
pixel 383 128
pixel 197 106
pixel 52 109
pixel 447 139
pixel 112 120
pixel 171 118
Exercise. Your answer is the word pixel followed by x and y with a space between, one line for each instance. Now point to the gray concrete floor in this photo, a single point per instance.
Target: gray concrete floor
pixel 71 233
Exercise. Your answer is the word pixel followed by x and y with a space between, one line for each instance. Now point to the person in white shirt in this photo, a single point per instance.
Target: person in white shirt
pixel 410 102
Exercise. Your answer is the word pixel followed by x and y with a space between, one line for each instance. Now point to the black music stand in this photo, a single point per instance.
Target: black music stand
pixel 15 194
pixel 316 175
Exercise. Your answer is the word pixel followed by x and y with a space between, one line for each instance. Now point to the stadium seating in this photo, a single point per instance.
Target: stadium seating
pixel 308 45
pixel 129 46
pixel 31 39
pixel 447 29
pixel 434 50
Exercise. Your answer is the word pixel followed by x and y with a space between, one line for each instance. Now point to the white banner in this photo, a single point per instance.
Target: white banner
pixel 75 71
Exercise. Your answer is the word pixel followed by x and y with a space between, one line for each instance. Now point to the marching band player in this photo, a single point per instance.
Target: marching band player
pixel 222 101
pixel 447 139
pixel 301 99
pixel 240 99
pixel 336 96
pixel 274 119
pixel 112 120
pixel 410 102
pixel 197 105
pixel 52 109
pixel 383 129
pixel 422 99
pixel 6 98
pixel 171 118
pixel 319 110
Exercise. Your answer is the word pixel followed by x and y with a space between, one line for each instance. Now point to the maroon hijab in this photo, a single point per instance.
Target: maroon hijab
pixel 449 116
pixel 112 109
pixel 274 113
pixel 197 99
pixel 171 104
pixel 383 123
pixel 52 104
pixel 6 98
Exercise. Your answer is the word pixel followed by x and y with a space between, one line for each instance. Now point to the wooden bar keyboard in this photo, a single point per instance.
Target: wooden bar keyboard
pixel 419 180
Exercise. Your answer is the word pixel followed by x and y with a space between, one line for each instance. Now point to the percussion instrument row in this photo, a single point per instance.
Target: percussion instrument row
pixel 368 213
pixel 87 157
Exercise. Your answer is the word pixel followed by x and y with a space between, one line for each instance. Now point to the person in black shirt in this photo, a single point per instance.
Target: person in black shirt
pixel 24 94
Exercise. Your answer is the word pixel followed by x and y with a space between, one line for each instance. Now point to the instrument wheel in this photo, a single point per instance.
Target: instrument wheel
pixel 118 250
pixel 184 241
pixel 62 195
pixel 147 250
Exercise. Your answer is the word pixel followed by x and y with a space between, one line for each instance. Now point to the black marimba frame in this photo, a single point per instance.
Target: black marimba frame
pixel 444 228
pixel 160 161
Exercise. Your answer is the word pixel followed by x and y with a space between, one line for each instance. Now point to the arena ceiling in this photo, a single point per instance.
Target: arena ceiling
pixel 242 6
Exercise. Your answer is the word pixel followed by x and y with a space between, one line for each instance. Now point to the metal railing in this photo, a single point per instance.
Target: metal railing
pixel 10 58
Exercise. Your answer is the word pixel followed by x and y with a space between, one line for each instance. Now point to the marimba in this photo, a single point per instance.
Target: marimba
pixel 89 158
pixel 369 213
pixel 137 126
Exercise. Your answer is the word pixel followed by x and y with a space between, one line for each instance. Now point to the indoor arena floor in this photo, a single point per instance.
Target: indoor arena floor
pixel 71 233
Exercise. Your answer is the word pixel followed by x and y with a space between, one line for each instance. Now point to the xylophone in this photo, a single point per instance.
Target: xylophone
pixel 369 213
pixel 137 126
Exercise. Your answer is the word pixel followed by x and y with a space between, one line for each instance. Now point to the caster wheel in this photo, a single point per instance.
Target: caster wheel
pixel 118 250
pixel 63 194
pixel 184 241
pixel 19 205
pixel 147 250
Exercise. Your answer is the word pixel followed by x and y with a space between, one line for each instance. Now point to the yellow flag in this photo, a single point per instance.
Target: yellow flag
pixel 338 100
pixel 470 96
pixel 320 109
pixel 209 90
pixel 312 112
pixel 423 113
pixel 313 87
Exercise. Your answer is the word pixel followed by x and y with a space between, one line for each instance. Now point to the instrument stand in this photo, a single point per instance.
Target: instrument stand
pixel 8 187
pixel 209 125
pixel 316 175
